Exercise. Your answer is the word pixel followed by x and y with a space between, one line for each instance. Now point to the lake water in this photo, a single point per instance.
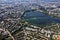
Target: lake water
pixel 35 17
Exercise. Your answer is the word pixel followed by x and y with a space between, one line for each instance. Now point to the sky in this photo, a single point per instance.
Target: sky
pixel 32 0
pixel 28 1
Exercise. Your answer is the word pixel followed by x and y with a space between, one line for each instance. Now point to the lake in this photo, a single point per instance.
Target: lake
pixel 35 17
